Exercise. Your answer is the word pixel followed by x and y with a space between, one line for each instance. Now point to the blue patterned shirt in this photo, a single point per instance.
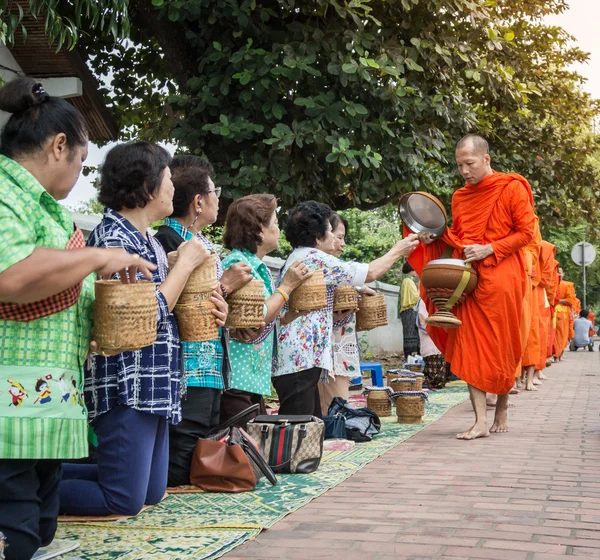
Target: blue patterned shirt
pixel 202 361
pixel 148 379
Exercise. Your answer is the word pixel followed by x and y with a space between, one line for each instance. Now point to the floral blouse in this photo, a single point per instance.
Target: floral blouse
pixel 307 342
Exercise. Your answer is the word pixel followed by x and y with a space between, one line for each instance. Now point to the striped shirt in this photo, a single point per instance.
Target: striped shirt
pixel 148 379
pixel 41 361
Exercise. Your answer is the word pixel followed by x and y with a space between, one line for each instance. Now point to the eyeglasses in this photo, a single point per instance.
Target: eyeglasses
pixel 217 191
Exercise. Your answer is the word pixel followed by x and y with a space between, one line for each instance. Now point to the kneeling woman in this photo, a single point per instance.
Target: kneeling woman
pixel 132 396
pixel 251 233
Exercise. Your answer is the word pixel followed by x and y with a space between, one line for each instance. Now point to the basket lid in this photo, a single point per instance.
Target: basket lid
pixel 374 388
pixel 423 212
pixel 422 394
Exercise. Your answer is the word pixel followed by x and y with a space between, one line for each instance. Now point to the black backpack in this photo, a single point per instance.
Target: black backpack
pixel 361 423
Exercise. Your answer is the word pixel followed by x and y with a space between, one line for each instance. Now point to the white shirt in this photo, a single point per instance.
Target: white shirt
pixel 428 348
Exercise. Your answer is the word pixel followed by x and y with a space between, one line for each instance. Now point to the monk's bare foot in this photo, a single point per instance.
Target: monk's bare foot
pixel 475 432
pixel 555 360
pixel 530 386
pixel 500 425
pixel 490 400
pixel 542 376
pixel 514 391
pixel 537 381
pixel 548 362
pixel 511 404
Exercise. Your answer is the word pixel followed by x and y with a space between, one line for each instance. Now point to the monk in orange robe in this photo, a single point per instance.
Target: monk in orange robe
pixel 575 312
pixel 493 220
pixel 553 296
pixel 566 302
pixel 546 292
pixel 530 326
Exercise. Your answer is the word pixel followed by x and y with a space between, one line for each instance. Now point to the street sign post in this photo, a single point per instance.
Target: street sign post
pixel 583 255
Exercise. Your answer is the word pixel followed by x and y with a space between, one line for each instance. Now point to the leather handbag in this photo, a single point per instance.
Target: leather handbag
pixel 290 444
pixel 227 460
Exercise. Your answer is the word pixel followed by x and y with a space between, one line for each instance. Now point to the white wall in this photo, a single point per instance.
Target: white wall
pixel 383 340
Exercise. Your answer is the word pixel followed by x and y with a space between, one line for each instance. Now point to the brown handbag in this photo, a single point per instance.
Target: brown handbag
pixel 228 460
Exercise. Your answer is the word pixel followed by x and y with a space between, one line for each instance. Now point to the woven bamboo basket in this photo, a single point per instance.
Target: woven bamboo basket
pixel 195 321
pixel 410 406
pixel 246 306
pixel 417 368
pixel 204 277
pixel 311 294
pixel 379 402
pixel 346 299
pixel 406 384
pixel 396 374
pixel 125 315
pixel 372 313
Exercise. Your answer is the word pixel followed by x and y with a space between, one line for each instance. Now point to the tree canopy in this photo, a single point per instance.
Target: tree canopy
pixel 348 103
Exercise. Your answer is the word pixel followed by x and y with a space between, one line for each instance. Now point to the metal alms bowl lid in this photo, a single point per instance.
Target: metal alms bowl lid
pixel 454 262
pixel 422 212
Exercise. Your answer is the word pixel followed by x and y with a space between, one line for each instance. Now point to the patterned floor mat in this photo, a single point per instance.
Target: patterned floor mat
pixel 206 526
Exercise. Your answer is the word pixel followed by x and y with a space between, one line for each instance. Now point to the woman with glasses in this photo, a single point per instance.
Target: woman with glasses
pixel 196 206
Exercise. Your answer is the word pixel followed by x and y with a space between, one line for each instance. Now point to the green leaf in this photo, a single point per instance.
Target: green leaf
pixel 509 36
pixel 216 45
pixel 360 109
pixel 350 67
pixel 158 3
pixel 277 111
pixel 333 156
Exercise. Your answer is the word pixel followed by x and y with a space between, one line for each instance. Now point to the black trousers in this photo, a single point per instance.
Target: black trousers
pixel 200 415
pixel 234 401
pixel 28 504
pixel 299 392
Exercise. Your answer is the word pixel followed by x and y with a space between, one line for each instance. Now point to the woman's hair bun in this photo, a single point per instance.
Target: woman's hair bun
pixel 21 94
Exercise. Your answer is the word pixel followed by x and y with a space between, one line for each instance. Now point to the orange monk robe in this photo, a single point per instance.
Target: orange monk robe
pixel 566 291
pixel 592 318
pixel 531 308
pixel 575 311
pixel 552 293
pixel 486 349
pixel 546 291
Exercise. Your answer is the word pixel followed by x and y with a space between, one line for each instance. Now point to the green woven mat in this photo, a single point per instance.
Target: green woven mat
pixel 206 526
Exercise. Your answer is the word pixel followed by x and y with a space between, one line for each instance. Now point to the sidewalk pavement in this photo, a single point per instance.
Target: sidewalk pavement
pixel 531 494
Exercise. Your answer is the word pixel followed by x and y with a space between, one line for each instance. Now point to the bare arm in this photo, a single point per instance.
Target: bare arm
pixel 402 248
pixel 47 272
pixel 297 273
pixel 190 255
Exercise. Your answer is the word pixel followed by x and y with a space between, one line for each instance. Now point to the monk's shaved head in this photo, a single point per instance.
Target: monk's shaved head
pixel 478 143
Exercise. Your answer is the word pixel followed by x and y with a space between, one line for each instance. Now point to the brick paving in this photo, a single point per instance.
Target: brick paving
pixel 531 494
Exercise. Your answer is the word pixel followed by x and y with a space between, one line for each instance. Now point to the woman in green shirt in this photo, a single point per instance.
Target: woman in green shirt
pixel 46 298
pixel 251 233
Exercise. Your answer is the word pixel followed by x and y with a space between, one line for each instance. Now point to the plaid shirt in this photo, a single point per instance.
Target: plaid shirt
pixel 148 379
pixel 55 345
pixel 202 361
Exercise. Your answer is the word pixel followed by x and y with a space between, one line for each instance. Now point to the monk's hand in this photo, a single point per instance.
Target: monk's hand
pixel 477 252
pixel 426 237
